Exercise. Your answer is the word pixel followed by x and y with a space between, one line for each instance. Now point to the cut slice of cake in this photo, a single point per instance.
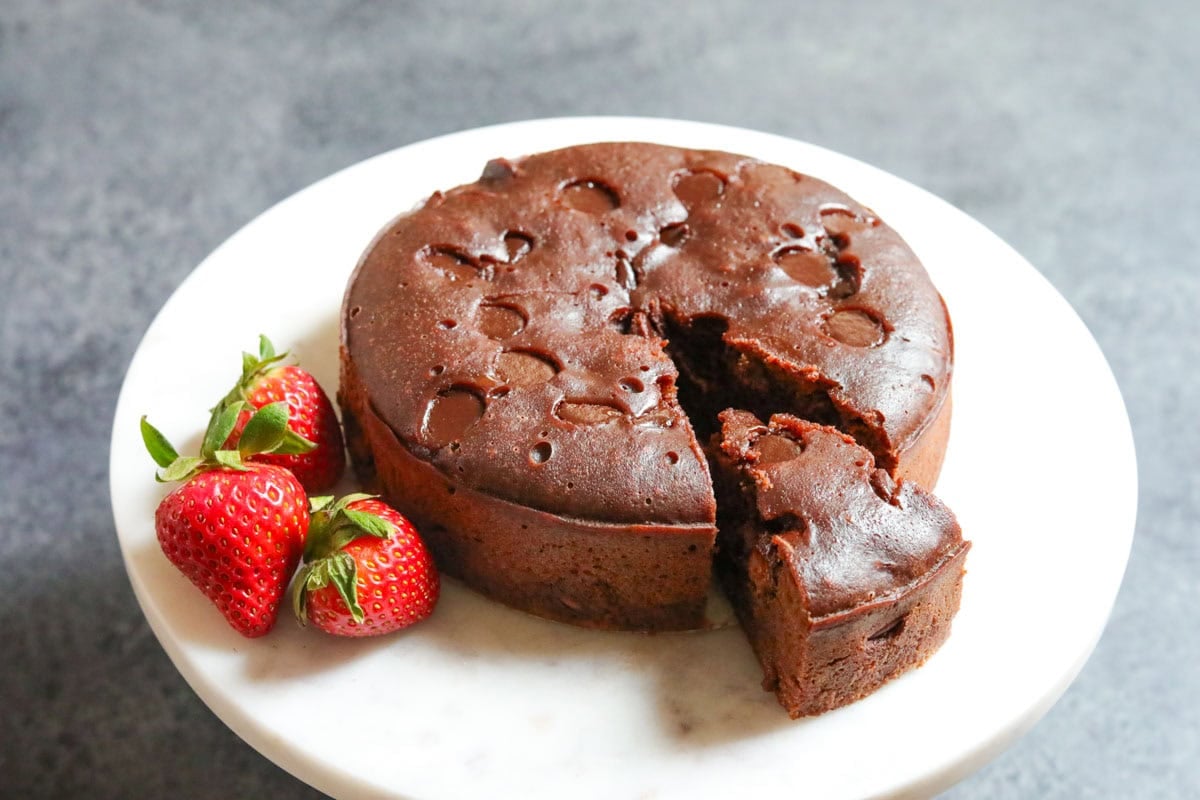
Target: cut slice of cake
pixel 841 577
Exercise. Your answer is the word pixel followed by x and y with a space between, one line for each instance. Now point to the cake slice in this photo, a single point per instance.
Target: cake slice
pixel 841 577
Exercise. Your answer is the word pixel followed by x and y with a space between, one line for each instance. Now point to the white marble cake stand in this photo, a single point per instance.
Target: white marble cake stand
pixel 482 701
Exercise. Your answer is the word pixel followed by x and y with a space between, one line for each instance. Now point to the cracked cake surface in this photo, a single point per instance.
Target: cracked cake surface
pixel 526 361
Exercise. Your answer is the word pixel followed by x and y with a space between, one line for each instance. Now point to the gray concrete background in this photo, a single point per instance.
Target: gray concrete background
pixel 135 137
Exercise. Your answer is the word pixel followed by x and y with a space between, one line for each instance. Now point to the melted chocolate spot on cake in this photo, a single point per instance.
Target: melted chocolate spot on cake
pixel 855 328
pixel 523 368
pixel 590 196
pixel 806 266
pixel 777 449
pixel 582 413
pixel 498 170
pixel 500 322
pixel 695 188
pixel 450 414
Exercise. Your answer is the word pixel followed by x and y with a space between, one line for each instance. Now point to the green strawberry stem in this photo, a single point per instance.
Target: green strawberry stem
pixel 326 562
pixel 253 367
pixel 268 428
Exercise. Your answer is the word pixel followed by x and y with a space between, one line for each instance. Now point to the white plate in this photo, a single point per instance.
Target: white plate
pixel 482 701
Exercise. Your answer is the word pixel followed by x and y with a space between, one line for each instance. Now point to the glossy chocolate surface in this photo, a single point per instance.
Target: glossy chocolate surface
pixel 511 330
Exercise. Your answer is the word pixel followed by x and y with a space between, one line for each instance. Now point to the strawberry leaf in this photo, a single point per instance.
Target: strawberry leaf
pixel 293 444
pixel 266 350
pixel 342 572
pixel 369 523
pixel 182 467
pixel 231 459
pixel 265 430
pixel 249 363
pixel 222 422
pixel 299 595
pixel 319 503
pixel 160 449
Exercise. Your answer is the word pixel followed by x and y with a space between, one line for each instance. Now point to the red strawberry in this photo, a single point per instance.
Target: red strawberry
pixel 366 570
pixel 235 529
pixel 310 415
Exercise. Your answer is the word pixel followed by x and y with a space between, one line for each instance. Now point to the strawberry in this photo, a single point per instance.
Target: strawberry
pixel 235 528
pixel 366 571
pixel 311 416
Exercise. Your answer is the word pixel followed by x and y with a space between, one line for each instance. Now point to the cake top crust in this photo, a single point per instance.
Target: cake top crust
pixel 844 529
pixel 510 330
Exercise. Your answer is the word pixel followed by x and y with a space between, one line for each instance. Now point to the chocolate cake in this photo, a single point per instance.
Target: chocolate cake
pixel 841 577
pixel 530 362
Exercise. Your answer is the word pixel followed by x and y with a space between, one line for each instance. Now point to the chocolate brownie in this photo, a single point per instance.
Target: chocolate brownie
pixel 527 361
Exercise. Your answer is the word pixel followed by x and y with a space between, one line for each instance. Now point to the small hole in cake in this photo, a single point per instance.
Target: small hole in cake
pixel 451 489
pixel 649 501
pixel 541 453
pixel 570 484
pixel 674 235
pixel 517 245
pixel 792 230
pixel 625 275
pixel 621 319
pixel 672 457
pixel 590 196
pixel 849 276
pixel 355 311
pixel 837 209
pixel 447 324
pixel 436 370
pixel 632 385
pixel 453 262
pixel 598 290
pixel 692 548
pixel 890 631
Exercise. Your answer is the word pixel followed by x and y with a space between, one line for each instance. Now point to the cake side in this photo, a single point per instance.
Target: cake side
pixel 841 578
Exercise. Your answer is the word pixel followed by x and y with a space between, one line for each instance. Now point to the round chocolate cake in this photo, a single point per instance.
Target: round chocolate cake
pixel 532 363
